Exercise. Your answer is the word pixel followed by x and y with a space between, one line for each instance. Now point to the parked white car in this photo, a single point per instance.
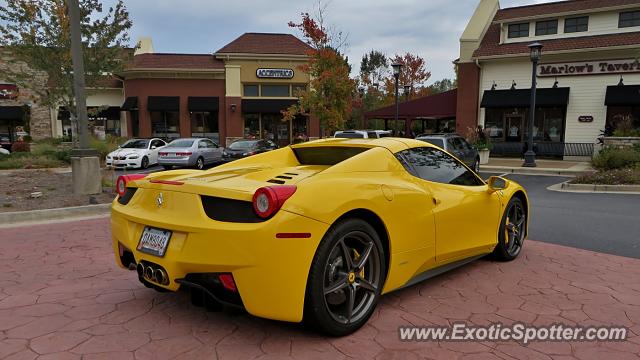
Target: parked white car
pixel 362 134
pixel 136 153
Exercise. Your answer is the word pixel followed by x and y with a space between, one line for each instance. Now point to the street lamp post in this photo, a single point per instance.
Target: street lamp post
pixel 530 155
pixel 396 74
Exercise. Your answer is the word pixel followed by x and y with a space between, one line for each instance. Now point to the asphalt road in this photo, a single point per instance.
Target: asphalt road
pixel 608 223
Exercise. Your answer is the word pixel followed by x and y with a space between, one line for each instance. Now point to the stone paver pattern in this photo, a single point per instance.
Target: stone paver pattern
pixel 62 297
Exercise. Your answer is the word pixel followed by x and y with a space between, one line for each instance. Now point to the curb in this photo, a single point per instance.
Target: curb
pixel 20 218
pixel 592 188
pixel 534 171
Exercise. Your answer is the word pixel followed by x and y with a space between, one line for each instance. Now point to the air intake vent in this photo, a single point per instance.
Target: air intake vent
pixel 280 179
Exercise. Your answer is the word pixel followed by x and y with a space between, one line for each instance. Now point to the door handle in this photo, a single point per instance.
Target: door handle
pixel 436 201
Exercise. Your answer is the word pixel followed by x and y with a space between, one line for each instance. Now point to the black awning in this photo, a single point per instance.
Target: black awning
pixel 545 97
pixel 266 105
pixel 202 103
pixel 11 112
pixel 622 95
pixel 163 103
pixel 131 103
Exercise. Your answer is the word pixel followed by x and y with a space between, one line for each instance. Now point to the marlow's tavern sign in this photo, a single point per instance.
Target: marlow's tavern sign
pixel 590 68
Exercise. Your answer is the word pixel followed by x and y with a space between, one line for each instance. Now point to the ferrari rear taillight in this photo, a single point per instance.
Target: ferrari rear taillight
pixel 268 200
pixel 123 180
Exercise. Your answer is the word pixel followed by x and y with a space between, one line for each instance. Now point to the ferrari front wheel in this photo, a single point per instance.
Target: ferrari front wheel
pixel 346 278
pixel 512 231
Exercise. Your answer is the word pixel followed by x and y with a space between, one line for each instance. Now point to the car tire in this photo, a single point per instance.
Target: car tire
pixel 200 163
pixel 144 163
pixel 476 165
pixel 342 293
pixel 167 167
pixel 512 232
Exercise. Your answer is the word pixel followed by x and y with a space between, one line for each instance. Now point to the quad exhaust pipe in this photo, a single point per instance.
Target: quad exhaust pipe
pixel 151 273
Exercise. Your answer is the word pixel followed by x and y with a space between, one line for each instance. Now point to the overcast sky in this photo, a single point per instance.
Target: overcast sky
pixel 429 28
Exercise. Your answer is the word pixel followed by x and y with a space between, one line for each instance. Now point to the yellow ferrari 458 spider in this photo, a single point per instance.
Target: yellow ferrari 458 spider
pixel 315 231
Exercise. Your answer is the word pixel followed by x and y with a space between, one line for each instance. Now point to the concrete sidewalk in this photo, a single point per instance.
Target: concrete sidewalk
pixel 545 167
pixel 62 297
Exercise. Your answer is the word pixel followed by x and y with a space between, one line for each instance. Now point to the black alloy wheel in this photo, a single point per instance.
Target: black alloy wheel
pixel 145 162
pixel 513 230
pixel 346 278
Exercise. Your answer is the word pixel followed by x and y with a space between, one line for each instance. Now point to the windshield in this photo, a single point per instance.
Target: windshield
pixel 349 135
pixel 180 144
pixel 135 144
pixel 242 145
pixel 433 141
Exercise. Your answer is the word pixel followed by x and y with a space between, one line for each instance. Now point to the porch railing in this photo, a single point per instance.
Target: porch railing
pixel 546 149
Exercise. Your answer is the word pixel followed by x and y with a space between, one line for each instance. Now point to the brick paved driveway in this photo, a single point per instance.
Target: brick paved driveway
pixel 62 297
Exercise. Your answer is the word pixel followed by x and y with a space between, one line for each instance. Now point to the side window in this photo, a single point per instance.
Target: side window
pixel 212 144
pixel 435 165
pixel 372 134
pixel 452 145
pixel 461 144
pixel 202 144
pixel 465 144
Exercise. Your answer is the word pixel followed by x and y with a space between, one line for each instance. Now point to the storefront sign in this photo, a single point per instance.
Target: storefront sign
pixel 585 118
pixel 590 68
pixel 8 91
pixel 274 73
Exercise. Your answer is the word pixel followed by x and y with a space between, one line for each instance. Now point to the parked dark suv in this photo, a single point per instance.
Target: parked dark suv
pixel 456 145
pixel 246 147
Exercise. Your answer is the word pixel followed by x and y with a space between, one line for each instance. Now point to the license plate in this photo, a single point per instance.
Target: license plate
pixel 154 241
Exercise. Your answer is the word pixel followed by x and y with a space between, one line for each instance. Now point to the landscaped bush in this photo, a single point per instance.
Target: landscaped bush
pixel 109 144
pixel 611 158
pixel 628 176
pixel 15 161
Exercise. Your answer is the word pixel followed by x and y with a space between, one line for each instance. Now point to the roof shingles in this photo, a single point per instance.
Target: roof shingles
pixel 263 43
pixel 558 7
pixel 176 61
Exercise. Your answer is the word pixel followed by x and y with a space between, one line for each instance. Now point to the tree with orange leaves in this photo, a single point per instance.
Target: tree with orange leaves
pixel 36 33
pixel 332 92
pixel 413 74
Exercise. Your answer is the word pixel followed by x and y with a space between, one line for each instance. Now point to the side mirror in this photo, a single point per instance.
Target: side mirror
pixel 497 183
pixel 154 147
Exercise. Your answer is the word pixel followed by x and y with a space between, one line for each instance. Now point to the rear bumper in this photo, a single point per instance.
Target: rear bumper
pixel 177 162
pixel 270 273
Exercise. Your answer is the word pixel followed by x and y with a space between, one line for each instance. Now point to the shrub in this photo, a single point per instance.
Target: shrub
pixel 628 176
pixel 616 158
pixel 44 149
pixel 50 141
pixel 63 155
pixel 20 146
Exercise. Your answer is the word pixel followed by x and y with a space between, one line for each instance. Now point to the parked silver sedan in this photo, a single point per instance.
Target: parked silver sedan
pixel 188 152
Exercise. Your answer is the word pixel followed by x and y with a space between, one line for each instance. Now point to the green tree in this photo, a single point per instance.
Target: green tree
pixel 36 33
pixel 443 85
pixel 332 93
pixel 374 67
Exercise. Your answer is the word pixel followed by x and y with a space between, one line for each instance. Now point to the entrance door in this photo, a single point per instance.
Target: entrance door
pixel 275 129
pixel 514 127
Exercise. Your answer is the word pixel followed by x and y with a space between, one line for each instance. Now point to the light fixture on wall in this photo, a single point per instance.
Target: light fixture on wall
pixel 513 84
pixel 233 108
pixel 493 86
pixel 621 82
pixel 555 83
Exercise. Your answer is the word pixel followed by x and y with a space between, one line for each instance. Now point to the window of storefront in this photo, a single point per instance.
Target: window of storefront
pixel 251 126
pixel 275 129
pixel 629 19
pixel 250 90
pixel 165 124
pixel 510 124
pixel 205 124
pixel 547 27
pixel 135 123
pixel 298 89
pixel 275 90
pixel 622 119
pixel 518 30
pixel 576 24
pixel 300 129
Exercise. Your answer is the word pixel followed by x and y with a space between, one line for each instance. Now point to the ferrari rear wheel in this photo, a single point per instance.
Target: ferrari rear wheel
pixel 346 278
pixel 512 231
